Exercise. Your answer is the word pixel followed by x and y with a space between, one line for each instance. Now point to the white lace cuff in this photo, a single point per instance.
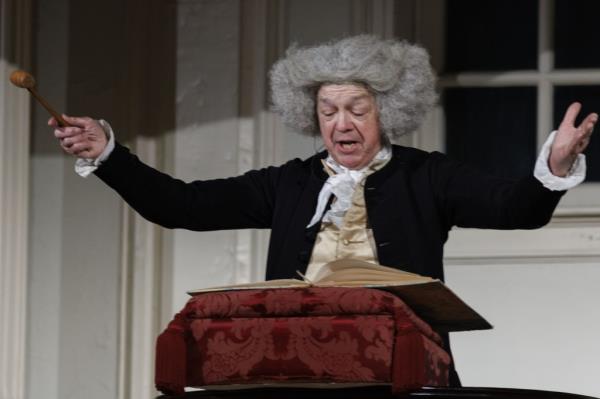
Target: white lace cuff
pixel 555 183
pixel 86 166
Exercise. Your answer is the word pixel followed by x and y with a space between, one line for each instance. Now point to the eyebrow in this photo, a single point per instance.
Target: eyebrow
pixel 352 99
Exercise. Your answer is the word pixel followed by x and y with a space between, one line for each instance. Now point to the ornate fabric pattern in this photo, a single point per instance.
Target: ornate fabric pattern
pixel 333 348
pixel 300 334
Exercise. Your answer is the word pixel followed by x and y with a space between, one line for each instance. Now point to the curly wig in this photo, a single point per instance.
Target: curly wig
pixel 396 72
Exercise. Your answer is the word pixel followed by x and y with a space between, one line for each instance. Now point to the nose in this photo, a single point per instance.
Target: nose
pixel 343 123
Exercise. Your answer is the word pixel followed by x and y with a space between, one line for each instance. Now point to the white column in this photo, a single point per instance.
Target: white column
pixel 14 173
pixel 140 294
pixel 142 299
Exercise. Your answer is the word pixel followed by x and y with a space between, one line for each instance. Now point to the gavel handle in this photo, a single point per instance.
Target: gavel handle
pixel 56 115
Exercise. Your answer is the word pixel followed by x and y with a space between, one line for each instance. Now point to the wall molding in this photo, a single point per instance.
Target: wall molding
pixel 140 294
pixel 14 200
pixel 15 47
pixel 263 40
pixel 554 243
pixel 144 272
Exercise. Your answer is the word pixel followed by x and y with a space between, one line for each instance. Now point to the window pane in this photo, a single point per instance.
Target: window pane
pixel 491 35
pixel 589 97
pixel 492 128
pixel 576 33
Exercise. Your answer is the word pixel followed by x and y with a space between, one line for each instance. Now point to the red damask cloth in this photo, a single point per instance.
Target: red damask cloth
pixel 330 335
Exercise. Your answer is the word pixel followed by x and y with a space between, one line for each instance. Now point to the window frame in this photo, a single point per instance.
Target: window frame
pixel 430 30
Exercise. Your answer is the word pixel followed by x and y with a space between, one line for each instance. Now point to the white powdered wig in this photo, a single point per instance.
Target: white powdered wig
pixel 397 73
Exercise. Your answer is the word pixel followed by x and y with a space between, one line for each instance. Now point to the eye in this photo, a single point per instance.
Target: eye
pixel 327 112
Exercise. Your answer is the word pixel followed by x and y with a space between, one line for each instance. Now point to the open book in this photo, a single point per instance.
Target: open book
pixel 429 298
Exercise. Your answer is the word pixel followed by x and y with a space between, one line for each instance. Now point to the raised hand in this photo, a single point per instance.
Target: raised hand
pixel 84 137
pixel 570 140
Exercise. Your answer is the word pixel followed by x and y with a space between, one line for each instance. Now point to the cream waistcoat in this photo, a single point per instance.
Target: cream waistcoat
pixel 353 239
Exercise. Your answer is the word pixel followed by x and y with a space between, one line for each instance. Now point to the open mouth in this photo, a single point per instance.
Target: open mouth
pixel 347 145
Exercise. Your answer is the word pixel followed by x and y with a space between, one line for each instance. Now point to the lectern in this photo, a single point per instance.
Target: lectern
pixel 299 337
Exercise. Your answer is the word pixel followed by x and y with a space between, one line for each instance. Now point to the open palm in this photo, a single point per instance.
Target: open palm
pixel 570 140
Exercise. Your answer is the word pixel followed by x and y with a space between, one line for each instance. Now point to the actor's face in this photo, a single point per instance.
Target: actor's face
pixel 349 124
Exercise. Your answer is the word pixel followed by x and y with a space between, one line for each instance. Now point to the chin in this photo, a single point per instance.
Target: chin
pixel 350 163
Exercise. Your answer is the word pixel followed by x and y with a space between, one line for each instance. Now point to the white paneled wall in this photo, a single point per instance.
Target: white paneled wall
pixel 14 190
pixel 546 325
pixel 206 136
pixel 539 290
pixel 15 39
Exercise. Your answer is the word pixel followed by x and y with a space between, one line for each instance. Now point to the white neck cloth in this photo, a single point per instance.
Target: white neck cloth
pixel 342 185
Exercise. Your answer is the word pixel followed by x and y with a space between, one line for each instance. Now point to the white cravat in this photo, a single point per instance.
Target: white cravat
pixel 342 185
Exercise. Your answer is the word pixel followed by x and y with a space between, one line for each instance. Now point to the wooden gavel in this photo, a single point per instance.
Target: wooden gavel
pixel 26 81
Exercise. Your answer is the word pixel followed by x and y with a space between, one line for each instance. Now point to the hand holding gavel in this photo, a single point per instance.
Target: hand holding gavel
pixel 26 81
pixel 82 137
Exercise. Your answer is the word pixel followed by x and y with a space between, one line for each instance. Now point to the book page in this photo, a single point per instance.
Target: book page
pixel 357 272
pixel 281 283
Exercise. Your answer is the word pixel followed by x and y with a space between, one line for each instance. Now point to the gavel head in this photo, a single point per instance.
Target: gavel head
pixel 22 79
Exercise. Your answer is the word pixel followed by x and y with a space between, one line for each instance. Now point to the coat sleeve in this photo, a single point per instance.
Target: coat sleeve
pixel 245 201
pixel 470 198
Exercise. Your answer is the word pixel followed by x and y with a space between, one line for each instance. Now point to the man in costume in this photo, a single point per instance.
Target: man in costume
pixel 362 198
